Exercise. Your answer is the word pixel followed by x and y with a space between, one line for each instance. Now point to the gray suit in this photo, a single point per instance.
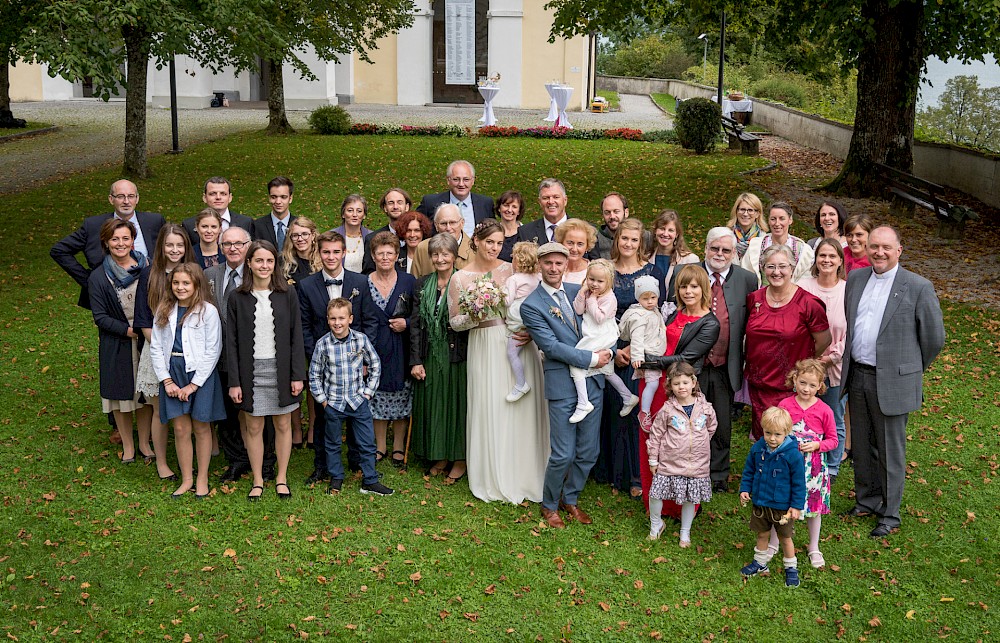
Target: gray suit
pixel 911 334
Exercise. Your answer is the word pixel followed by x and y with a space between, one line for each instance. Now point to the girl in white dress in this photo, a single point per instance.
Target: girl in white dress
pixel 597 303
pixel 507 445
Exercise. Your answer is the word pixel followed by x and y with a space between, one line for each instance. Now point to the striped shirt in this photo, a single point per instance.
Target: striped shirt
pixel 336 374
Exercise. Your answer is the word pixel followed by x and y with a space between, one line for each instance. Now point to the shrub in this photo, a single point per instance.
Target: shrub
pixel 698 124
pixel 649 57
pixel 330 119
pixel 660 136
pixel 782 90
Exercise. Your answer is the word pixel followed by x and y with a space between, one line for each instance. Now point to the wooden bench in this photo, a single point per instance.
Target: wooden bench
pixel 739 139
pixel 916 191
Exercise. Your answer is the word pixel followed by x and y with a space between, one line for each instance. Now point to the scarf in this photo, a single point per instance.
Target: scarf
pixel 434 312
pixel 793 243
pixel 122 278
pixel 754 232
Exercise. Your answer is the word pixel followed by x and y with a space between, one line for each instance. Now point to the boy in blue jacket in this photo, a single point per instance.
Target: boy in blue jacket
pixel 774 477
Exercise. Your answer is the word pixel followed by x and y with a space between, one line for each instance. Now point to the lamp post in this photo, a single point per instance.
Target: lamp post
pixel 722 52
pixel 704 59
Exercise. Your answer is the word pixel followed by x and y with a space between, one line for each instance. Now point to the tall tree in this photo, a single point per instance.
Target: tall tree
pixel 887 41
pixel 281 31
pixel 112 42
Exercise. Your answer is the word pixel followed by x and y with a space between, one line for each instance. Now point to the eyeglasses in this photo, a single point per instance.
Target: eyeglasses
pixel 300 235
pixel 716 250
pixel 385 255
pixel 125 197
pixel 746 210
pixel 226 245
pixel 780 267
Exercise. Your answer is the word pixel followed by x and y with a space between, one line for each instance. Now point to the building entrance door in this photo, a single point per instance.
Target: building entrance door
pixel 454 55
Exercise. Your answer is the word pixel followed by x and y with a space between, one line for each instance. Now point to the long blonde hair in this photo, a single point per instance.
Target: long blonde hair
pixel 289 256
pixel 634 224
pixel 198 298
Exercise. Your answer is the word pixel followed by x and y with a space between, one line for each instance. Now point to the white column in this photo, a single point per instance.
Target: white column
pixel 504 53
pixel 57 88
pixel 194 84
pixel 414 65
pixel 301 93
pixel 343 81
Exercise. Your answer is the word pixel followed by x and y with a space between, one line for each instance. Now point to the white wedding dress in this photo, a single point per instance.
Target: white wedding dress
pixel 507 443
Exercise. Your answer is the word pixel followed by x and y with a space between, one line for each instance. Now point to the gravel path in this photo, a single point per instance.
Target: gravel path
pixel 93 132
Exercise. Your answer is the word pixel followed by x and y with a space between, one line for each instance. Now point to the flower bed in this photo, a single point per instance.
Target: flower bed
pixel 495 131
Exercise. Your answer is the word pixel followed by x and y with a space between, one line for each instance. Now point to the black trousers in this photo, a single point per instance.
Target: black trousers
pixel 714 383
pixel 230 438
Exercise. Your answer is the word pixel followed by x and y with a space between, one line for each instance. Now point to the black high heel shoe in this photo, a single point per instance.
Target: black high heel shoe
pixel 147 457
pixel 171 478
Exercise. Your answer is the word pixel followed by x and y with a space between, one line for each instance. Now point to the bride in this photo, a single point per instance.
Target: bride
pixel 508 443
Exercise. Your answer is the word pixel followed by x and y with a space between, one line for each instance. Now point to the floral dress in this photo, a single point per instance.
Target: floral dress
pixel 815 424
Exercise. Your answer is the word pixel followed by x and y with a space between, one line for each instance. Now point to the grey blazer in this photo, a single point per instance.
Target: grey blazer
pixel 910 337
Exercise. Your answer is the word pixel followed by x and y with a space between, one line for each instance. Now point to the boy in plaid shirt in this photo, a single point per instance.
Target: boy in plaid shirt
pixel 338 381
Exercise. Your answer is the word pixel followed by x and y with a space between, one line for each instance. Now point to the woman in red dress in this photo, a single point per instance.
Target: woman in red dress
pixel 784 325
pixel 691 332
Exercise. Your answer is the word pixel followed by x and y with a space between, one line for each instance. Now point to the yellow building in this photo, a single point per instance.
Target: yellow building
pixel 451 45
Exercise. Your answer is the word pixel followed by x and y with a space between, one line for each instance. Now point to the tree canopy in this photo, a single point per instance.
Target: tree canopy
pixel 887 41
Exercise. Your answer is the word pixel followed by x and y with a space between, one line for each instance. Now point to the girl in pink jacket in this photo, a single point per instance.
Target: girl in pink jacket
pixel 679 451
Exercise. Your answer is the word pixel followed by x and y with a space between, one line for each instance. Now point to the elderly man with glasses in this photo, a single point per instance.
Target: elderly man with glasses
pixel 472 207
pixel 722 373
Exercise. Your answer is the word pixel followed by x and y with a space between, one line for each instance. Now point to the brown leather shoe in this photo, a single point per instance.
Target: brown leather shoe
pixel 576 514
pixel 552 518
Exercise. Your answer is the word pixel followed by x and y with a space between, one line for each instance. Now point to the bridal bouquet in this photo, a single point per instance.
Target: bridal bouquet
pixel 483 299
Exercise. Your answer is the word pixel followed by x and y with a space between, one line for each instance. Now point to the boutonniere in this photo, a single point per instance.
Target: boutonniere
pixel 556 312
pixel 354 293
pixel 402 298
pixel 756 307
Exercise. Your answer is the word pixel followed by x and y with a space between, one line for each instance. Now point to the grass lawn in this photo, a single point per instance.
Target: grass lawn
pixel 91 549
pixel 666 101
pixel 32 125
pixel 612 97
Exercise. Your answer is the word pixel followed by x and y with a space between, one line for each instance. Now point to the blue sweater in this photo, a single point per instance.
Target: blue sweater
pixel 775 479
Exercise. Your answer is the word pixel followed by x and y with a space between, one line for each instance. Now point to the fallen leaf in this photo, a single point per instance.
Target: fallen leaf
pixel 604 606
pixel 910 614
pixel 415 577
pixel 875 622
pixel 229 553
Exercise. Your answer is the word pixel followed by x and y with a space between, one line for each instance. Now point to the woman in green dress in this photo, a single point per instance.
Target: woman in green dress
pixel 437 356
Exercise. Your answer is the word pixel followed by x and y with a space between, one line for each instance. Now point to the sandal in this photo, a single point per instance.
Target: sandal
pixel 283 496
pixel 379 456
pixel 816 559
pixel 253 498
pixel 398 463
pixel 635 492
pixel 433 472
pixel 450 479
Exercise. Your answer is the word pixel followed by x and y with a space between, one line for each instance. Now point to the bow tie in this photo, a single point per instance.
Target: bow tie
pixel 332 282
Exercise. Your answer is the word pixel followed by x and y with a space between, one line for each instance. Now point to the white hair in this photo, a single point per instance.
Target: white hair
pixel 451 166
pixel 441 208
pixel 719 233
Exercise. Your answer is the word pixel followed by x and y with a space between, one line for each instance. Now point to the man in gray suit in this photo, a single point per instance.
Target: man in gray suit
pixel 223 279
pixel 555 328
pixel 894 332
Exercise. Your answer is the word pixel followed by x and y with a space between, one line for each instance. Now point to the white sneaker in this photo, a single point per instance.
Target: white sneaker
pixel 517 392
pixel 629 406
pixel 582 411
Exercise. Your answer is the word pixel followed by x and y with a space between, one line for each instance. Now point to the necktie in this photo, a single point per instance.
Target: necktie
pixel 717 294
pixel 280 234
pixel 718 279
pixel 567 310
pixel 230 284
pixel 332 282
pixel 550 232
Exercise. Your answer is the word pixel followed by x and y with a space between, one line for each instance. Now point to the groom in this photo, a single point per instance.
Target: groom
pixel 549 317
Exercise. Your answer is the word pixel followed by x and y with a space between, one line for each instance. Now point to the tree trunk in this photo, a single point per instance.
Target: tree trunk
pixel 888 78
pixel 137 44
pixel 277 121
pixel 7 119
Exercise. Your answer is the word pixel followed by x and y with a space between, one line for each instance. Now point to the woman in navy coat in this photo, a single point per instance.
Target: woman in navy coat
pixel 392 293
pixel 112 288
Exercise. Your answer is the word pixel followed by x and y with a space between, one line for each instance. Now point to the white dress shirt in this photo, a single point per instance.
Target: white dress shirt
pixel 334 290
pixel 869 317
pixel 550 228
pixel 227 220
pixel 468 214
